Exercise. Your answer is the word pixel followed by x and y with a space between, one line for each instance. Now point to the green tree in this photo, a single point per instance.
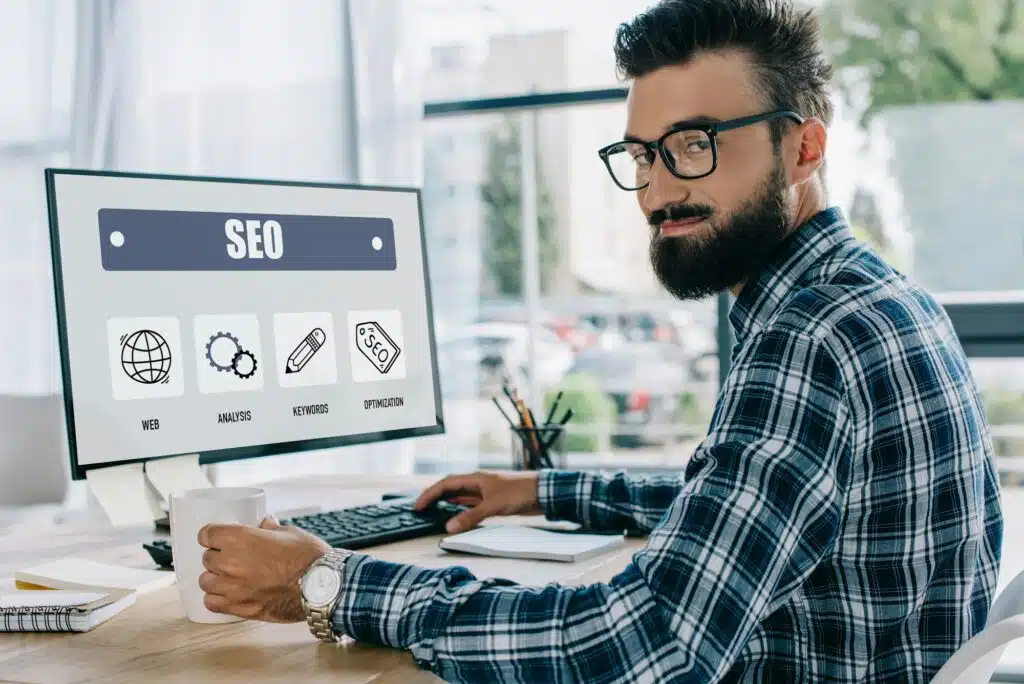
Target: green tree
pixel 915 51
pixel 501 193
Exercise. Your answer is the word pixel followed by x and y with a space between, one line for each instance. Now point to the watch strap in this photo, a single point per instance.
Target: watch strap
pixel 319 621
pixel 319 618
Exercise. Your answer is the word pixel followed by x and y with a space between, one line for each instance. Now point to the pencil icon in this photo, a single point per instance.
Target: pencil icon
pixel 305 350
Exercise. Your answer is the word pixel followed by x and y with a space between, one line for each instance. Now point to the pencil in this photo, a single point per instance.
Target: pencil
pixel 507 418
pixel 539 441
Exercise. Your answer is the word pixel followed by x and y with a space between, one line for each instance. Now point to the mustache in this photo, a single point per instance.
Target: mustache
pixel 678 212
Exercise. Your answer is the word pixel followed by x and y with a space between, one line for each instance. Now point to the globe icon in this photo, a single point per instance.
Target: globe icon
pixel 146 357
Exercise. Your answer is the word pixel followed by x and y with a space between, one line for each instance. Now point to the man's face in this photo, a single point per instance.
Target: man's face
pixel 712 233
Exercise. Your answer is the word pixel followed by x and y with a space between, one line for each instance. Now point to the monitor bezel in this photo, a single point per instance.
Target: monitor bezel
pixel 78 470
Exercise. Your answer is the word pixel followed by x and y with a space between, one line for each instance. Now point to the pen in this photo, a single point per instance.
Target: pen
pixel 554 407
pixel 565 419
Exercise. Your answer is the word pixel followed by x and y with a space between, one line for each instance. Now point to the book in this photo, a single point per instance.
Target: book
pixel 59 610
pixel 86 575
pixel 522 541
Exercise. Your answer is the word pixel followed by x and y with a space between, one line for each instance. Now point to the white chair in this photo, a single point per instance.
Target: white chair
pixel 34 469
pixel 976 660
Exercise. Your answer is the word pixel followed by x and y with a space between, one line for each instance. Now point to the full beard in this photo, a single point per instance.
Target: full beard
pixel 710 261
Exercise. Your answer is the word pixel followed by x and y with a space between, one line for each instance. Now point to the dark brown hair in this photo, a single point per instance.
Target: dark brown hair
pixel 782 42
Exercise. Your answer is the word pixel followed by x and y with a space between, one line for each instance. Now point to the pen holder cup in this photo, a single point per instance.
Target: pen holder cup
pixel 538 447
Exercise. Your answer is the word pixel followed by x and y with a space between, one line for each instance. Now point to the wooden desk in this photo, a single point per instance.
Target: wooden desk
pixel 153 641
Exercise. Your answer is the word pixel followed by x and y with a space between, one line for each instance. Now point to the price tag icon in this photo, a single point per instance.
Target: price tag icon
pixel 376 345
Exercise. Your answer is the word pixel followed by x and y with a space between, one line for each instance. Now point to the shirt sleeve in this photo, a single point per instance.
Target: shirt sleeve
pixel 761 505
pixel 618 501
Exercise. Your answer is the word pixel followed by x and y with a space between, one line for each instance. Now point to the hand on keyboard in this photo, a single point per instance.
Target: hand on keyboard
pixel 487 494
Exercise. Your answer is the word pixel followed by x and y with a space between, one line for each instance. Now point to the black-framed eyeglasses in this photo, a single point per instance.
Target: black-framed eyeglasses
pixel 688 151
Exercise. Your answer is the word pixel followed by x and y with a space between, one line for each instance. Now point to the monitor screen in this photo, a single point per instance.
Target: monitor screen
pixel 234 318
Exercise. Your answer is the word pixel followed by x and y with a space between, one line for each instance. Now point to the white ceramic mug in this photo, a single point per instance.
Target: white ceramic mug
pixel 189 511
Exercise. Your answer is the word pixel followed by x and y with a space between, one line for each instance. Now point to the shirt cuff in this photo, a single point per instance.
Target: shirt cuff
pixel 563 495
pixel 387 603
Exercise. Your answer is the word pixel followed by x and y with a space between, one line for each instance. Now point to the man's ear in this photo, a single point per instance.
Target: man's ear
pixel 809 141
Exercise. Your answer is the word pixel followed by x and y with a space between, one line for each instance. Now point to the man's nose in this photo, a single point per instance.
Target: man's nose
pixel 663 187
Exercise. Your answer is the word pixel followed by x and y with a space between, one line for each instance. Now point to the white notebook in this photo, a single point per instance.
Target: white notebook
pixel 60 611
pixel 521 541
pixel 82 574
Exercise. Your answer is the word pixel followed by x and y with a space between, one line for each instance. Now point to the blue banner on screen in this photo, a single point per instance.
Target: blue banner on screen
pixel 151 240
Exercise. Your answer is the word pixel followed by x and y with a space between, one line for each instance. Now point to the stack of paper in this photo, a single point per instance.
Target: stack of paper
pixel 82 574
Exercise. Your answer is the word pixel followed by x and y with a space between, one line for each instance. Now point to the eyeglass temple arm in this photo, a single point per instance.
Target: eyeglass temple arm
pixel 757 118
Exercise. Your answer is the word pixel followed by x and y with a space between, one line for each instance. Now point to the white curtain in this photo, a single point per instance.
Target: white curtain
pixel 312 90
pixel 36 46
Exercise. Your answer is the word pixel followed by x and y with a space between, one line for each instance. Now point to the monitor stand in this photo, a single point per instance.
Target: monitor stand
pixel 136 494
pixel 184 472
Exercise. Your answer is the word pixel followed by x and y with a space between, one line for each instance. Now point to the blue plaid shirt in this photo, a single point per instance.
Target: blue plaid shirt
pixel 840 522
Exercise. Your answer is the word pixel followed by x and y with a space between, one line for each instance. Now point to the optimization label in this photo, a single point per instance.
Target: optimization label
pixel 157 240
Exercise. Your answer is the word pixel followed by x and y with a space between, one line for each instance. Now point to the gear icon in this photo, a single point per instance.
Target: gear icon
pixel 221 351
pixel 244 364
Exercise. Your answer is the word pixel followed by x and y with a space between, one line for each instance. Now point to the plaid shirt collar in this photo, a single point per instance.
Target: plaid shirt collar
pixel 795 264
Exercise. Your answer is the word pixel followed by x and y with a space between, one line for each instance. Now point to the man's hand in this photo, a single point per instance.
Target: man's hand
pixel 254 572
pixel 487 494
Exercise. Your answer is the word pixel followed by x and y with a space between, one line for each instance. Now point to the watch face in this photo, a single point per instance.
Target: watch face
pixel 321 585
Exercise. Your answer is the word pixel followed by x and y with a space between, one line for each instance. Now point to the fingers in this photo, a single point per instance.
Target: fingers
pixel 212 561
pixel 212 583
pixel 217 603
pixel 220 536
pixel 452 483
pixel 468 519
pixel 270 523
pixel 466 500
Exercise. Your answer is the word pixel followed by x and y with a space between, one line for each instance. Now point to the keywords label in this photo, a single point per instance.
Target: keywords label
pixel 310 410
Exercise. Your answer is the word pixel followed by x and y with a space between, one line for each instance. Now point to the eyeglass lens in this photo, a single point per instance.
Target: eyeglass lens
pixel 689 153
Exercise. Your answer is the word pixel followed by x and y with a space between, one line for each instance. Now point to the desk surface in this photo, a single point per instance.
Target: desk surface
pixel 153 642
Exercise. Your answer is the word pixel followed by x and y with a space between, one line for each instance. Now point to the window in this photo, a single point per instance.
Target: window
pixel 528 45
pixel 597 306
pixel 447 57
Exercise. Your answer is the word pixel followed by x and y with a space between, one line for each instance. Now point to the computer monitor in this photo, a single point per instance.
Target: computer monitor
pixel 234 318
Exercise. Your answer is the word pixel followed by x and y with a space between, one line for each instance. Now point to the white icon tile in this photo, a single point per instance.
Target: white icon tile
pixel 376 345
pixel 145 357
pixel 305 349
pixel 228 353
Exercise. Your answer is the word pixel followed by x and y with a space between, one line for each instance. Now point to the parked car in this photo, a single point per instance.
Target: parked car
pixel 646 382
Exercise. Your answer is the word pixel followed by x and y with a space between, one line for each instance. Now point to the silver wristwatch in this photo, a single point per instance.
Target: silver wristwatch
pixel 321 590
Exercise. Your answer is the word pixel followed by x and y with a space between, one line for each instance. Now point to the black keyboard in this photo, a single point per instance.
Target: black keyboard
pixel 355 528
